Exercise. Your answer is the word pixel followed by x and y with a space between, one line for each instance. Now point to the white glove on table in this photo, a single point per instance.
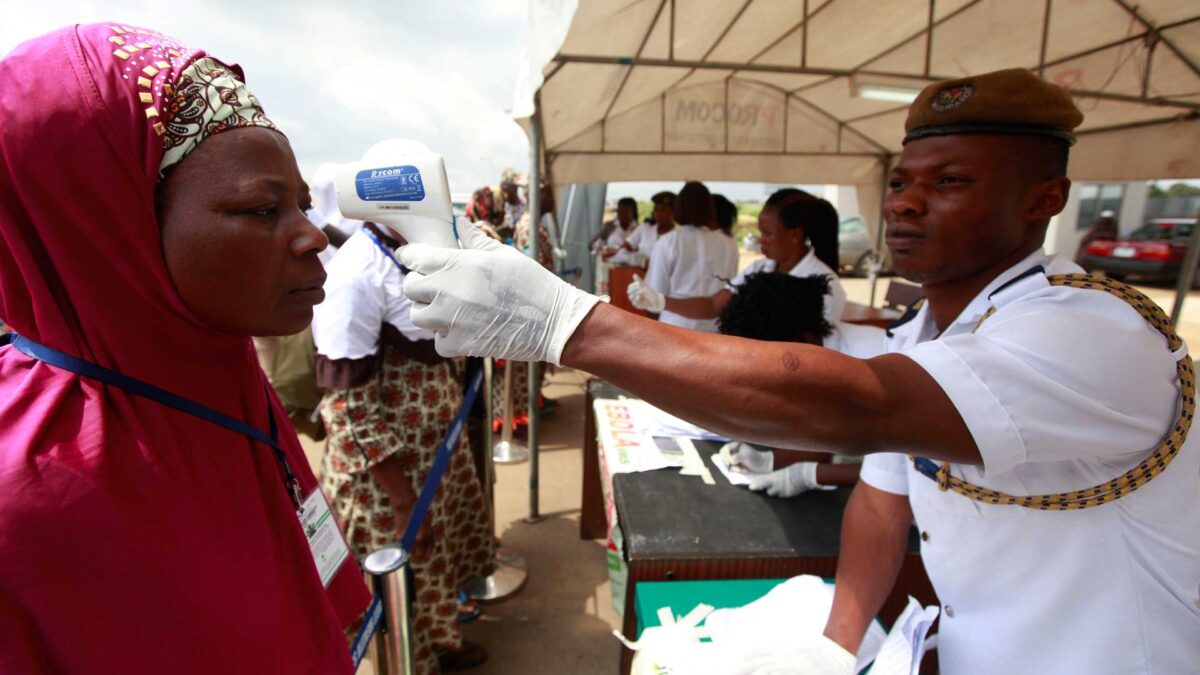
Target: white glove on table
pixel 739 454
pixel 644 297
pixel 789 481
pixel 823 657
pixel 487 299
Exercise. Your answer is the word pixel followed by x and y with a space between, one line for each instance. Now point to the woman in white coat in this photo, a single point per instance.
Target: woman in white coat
pixel 799 238
pixel 695 260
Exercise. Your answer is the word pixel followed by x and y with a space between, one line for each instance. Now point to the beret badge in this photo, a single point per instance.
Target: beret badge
pixel 952 98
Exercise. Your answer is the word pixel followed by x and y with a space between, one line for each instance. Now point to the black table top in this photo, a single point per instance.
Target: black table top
pixel 664 515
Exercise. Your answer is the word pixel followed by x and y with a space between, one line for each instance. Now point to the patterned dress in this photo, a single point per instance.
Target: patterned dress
pixel 405 411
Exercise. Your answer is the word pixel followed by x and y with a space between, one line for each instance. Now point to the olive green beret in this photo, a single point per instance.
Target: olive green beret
pixel 1009 102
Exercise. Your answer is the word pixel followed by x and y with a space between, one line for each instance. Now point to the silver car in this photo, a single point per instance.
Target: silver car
pixel 855 252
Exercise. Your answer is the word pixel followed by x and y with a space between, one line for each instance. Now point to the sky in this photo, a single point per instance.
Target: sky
pixel 337 77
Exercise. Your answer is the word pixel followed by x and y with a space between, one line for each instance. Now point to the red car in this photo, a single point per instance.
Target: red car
pixel 1154 251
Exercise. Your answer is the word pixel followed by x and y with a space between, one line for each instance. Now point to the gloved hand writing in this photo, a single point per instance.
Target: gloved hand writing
pixel 743 455
pixel 789 481
pixel 644 297
pixel 487 299
pixel 824 656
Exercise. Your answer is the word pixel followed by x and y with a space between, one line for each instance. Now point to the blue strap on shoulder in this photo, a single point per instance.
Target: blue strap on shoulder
pixel 76 365
pixel 386 251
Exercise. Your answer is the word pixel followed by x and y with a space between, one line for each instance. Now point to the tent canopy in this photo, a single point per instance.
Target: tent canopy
pixel 788 91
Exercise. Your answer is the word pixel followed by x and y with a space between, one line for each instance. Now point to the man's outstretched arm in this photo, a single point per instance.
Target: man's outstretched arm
pixel 783 395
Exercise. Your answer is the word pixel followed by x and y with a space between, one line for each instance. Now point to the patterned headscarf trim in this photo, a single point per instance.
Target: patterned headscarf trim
pixel 208 98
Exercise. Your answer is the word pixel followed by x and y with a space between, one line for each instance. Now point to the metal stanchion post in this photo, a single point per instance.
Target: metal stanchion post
pixel 535 392
pixel 510 568
pixel 508 451
pixel 389 566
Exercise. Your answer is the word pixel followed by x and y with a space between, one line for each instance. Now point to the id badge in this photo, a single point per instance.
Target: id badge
pixel 325 540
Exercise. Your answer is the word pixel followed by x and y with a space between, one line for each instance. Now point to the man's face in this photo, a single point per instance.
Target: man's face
pixel 956 206
pixel 664 215
pixel 624 214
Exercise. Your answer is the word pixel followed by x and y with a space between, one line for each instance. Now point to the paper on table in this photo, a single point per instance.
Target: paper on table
pixel 904 645
pixel 693 465
pixel 733 476
pixel 662 423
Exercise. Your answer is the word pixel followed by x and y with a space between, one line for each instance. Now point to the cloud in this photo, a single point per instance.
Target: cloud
pixel 337 77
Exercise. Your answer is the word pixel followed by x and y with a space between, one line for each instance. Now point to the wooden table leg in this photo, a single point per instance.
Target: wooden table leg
pixel 592 522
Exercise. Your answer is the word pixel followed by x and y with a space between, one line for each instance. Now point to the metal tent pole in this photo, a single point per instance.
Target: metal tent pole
pixel 535 382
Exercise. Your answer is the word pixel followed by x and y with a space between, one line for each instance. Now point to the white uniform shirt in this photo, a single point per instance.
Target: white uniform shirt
pixel 614 241
pixel 644 237
pixel 1062 389
pixel 810 264
pixel 364 289
pixel 691 262
pixel 861 342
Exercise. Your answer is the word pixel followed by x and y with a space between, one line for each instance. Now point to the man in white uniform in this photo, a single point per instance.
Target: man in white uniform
pixel 642 240
pixel 1054 413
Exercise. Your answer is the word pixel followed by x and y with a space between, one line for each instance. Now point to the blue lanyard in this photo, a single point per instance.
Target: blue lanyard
pixel 138 388
pixel 386 251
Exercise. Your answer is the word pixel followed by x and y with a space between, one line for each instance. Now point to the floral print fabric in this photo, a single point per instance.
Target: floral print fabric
pixel 405 412
pixel 208 98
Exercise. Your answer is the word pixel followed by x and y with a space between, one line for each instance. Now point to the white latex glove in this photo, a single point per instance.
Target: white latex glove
pixel 789 481
pixel 743 455
pixel 644 297
pixel 560 254
pixel 487 299
pixel 823 657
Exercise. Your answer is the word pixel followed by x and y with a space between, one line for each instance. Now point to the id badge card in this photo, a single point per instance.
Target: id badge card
pixel 325 540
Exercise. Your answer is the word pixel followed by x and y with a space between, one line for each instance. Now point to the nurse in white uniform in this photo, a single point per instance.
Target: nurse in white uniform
pixel 1054 472
pixel 695 259
pixel 799 238
pixel 642 240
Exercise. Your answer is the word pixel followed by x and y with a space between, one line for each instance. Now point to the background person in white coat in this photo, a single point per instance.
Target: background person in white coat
pixel 695 259
pixel 799 238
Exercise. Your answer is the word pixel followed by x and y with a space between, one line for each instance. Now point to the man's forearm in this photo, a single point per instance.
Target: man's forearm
pixel 874 538
pixel 784 395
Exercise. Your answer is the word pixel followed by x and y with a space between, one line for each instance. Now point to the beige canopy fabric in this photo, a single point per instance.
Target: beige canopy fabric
pixel 787 91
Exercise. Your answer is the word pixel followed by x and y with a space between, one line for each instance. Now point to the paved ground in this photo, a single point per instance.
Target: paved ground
pixel 560 622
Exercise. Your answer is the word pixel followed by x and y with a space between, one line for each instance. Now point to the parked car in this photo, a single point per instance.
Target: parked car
pixel 855 251
pixel 1154 251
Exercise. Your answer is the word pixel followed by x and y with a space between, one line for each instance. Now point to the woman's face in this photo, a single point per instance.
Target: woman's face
pixel 236 243
pixel 778 242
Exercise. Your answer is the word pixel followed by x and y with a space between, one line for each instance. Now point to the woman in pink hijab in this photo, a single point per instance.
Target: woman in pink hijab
pixel 152 220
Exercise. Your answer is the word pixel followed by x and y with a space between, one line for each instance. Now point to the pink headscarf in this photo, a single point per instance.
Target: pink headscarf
pixel 133 538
